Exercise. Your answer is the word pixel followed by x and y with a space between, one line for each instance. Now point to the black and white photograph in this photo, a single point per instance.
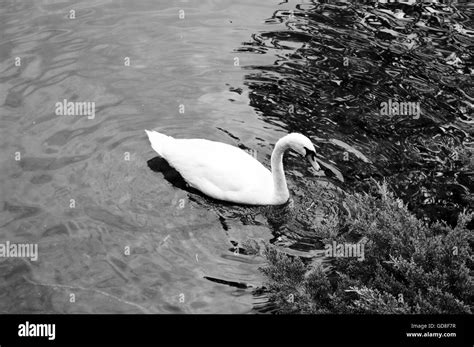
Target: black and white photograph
pixel 226 164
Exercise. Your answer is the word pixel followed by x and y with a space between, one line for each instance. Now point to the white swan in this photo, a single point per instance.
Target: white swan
pixel 228 173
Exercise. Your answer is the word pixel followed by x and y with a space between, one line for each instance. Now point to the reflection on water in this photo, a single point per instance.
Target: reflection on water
pixel 117 237
pixel 335 65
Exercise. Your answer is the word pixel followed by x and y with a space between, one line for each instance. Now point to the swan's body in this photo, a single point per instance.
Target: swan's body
pixel 226 172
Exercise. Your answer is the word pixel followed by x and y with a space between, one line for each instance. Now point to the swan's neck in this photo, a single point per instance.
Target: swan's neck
pixel 279 181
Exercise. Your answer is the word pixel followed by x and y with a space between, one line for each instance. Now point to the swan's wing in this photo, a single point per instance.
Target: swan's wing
pixel 216 168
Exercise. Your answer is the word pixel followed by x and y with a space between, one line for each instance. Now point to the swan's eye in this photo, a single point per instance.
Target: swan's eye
pixel 310 153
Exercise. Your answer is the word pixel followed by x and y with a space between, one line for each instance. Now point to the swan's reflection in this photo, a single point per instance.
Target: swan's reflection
pixel 292 224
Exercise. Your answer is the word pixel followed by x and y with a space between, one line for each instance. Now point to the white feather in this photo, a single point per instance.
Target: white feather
pixel 221 171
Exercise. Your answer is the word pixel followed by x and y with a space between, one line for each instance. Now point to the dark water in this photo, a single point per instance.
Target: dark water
pixel 335 65
pixel 319 69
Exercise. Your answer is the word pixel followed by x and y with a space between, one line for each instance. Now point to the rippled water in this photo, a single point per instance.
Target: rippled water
pixel 245 73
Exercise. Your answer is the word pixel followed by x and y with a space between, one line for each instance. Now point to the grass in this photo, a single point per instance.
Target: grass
pixel 410 266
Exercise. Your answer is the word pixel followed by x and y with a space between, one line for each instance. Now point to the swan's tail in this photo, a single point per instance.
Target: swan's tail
pixel 158 141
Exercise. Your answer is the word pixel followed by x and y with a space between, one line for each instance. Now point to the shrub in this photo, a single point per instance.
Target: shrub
pixel 409 267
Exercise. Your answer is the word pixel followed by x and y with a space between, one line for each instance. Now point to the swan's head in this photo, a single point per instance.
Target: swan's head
pixel 302 145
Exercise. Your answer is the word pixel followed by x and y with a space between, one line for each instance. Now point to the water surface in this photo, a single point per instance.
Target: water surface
pixel 246 74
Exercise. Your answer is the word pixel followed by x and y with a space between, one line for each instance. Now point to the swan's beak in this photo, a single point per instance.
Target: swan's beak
pixel 311 156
